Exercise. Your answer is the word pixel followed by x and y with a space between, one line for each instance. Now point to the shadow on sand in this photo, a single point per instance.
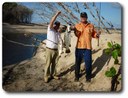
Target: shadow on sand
pixel 98 64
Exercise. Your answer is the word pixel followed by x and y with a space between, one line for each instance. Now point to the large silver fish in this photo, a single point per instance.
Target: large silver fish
pixel 67 39
pixel 60 47
pixel 60 44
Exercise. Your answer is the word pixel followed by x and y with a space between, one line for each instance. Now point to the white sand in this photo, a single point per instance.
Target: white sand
pixel 28 75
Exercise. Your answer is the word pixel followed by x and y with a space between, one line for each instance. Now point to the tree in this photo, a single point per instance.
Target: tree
pixel 15 13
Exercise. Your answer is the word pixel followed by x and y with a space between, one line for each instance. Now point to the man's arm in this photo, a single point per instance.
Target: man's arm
pixel 53 19
pixel 98 34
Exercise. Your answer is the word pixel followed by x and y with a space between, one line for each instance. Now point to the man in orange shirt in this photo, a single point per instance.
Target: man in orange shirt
pixel 84 32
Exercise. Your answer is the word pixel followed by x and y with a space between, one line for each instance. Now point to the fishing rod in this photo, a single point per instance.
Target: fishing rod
pixel 98 14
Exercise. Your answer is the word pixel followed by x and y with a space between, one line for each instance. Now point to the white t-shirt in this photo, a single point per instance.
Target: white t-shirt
pixel 53 38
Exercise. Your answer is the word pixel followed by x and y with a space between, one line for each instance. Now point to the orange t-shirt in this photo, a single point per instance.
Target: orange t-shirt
pixel 85 32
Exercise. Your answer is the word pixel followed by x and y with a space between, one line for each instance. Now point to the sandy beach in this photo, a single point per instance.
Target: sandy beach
pixel 24 28
pixel 28 74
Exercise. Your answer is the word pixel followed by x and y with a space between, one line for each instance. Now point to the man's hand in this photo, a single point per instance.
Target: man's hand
pixel 53 19
pixel 75 30
pixel 98 34
pixel 72 27
pixel 60 30
pixel 59 12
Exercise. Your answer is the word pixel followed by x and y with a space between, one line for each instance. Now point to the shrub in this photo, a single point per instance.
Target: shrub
pixel 114 49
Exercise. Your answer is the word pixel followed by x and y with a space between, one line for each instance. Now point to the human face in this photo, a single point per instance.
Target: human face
pixel 56 27
pixel 62 29
pixel 83 19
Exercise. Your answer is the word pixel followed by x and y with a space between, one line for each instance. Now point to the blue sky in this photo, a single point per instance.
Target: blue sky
pixel 110 11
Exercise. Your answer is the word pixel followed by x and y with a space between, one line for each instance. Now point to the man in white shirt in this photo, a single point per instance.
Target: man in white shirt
pixel 53 38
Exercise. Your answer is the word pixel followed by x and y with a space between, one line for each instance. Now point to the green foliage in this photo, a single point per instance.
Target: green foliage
pixel 115 54
pixel 113 49
pixel 16 13
pixel 107 51
pixel 111 72
pixel 120 79
pixel 109 45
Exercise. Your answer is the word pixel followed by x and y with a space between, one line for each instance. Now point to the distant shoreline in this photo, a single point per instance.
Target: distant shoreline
pixel 24 28
pixel 34 28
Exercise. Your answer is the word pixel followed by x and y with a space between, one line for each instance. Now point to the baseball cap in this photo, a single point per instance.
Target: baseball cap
pixel 84 15
pixel 57 23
